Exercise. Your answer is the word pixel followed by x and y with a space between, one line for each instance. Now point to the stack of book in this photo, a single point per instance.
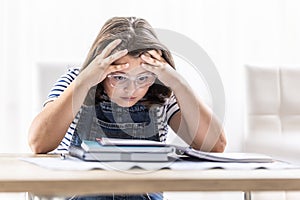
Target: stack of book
pixel 110 149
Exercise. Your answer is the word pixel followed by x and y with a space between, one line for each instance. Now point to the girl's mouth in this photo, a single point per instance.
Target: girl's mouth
pixel 128 98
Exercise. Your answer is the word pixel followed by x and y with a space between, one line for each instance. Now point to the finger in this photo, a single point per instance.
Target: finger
pixel 149 68
pixel 156 54
pixel 159 52
pixel 108 49
pixel 114 68
pixel 112 58
pixel 146 54
pixel 151 61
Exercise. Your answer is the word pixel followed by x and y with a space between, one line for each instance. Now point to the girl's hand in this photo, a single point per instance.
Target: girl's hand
pixel 101 66
pixel 155 63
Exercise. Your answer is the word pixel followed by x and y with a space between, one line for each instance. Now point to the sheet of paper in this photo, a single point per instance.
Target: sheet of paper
pixel 191 165
pixel 71 163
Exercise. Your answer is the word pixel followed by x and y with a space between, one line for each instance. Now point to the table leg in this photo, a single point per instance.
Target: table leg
pixel 28 196
pixel 247 195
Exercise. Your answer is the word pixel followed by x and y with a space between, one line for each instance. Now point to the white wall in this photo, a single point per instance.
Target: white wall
pixel 233 33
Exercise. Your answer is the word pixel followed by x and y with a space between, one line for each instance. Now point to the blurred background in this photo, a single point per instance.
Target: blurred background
pixel 40 39
pixel 37 35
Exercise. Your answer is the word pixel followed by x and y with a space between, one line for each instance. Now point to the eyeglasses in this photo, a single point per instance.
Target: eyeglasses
pixel 118 80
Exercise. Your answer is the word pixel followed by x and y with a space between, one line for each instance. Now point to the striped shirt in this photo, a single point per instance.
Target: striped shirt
pixel 165 112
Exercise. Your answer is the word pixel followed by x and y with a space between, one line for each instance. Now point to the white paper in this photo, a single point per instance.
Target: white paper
pixel 190 165
pixel 71 163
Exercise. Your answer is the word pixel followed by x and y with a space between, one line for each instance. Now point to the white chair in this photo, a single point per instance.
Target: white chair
pixel 273 117
pixel 46 75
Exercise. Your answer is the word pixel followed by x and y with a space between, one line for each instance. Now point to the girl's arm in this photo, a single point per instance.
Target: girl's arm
pixel 50 126
pixel 195 122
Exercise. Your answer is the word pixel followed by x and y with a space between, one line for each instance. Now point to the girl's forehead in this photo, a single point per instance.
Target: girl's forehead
pixel 128 59
pixel 133 71
pixel 134 65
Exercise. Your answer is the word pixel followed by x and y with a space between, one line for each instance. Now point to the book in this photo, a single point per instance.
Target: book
pixel 192 153
pixel 224 157
pixel 79 152
pixel 127 142
pixel 96 146
pixel 95 151
pixel 112 149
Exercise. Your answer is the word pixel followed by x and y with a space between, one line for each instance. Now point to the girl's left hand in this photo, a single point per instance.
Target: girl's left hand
pixel 155 63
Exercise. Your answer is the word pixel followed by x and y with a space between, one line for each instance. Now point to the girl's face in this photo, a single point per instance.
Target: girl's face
pixel 126 87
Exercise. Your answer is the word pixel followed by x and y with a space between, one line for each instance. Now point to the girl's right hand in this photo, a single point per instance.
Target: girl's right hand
pixel 101 66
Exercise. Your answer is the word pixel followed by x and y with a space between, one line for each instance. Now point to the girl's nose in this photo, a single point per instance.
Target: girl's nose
pixel 130 87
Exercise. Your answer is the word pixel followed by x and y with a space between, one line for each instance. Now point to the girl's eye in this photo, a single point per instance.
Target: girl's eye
pixel 142 78
pixel 120 78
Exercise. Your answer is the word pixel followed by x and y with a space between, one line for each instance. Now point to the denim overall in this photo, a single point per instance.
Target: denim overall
pixel 107 119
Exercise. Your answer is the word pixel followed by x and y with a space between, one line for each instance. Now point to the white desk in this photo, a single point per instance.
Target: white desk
pixel 19 176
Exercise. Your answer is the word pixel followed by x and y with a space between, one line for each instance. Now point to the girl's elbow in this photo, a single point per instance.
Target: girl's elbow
pixel 35 146
pixel 221 145
pixel 37 149
pixel 220 148
pixel 35 140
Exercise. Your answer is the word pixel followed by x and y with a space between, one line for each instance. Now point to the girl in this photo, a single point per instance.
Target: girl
pixel 127 88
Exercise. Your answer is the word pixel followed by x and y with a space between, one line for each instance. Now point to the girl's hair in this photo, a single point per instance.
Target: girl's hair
pixel 137 37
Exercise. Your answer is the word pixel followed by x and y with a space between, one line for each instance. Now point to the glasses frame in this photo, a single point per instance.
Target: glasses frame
pixel 129 78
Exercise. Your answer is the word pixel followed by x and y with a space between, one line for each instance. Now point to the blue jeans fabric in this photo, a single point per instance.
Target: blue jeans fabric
pixel 110 120
pixel 107 119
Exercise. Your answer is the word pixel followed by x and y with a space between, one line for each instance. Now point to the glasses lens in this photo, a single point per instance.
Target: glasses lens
pixel 145 79
pixel 117 80
pixel 121 80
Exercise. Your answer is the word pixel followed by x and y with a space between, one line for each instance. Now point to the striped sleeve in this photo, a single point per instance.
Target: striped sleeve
pixel 58 88
pixel 172 107
pixel 61 84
